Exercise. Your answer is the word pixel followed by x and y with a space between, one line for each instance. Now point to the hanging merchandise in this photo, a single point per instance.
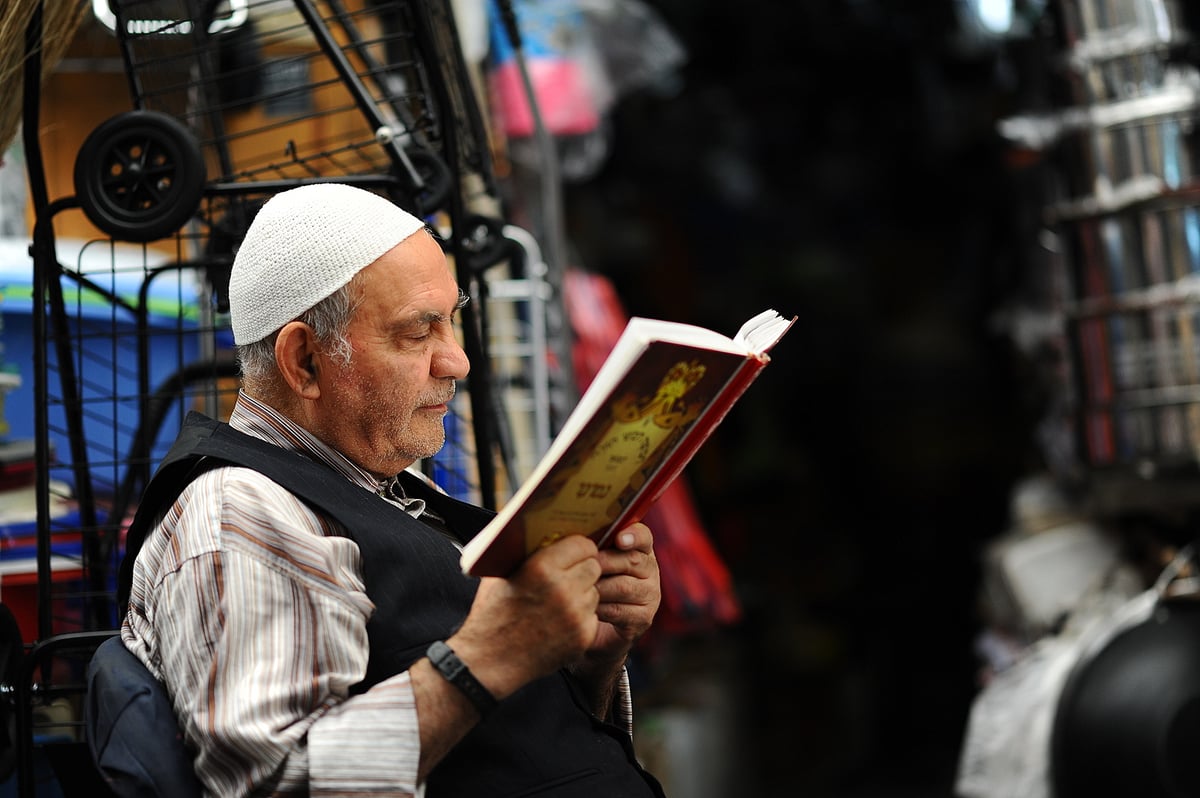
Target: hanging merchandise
pixel 562 67
pixel 58 23
pixel 1007 745
pixel 577 58
pixel 1122 221
pixel 637 49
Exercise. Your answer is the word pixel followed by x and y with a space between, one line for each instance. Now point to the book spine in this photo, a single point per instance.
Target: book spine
pixel 700 432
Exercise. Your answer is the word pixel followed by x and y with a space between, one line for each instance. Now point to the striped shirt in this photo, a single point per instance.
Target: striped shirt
pixel 250 608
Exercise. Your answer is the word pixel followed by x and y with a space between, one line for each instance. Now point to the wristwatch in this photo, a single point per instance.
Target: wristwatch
pixel 458 674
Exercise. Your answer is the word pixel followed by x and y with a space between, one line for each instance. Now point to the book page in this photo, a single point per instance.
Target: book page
pixel 761 332
pixel 756 335
pixel 640 331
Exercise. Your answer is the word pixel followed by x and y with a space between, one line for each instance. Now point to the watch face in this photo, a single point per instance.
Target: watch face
pixel 1128 719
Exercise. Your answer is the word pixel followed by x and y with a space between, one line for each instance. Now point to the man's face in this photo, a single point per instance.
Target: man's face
pixel 385 409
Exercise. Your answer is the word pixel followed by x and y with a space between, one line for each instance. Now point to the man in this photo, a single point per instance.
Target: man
pixel 298 592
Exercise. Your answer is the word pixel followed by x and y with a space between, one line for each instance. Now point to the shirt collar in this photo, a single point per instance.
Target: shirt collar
pixel 256 418
pixel 393 491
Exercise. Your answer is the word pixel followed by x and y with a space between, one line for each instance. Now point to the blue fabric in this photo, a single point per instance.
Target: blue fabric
pixel 131 728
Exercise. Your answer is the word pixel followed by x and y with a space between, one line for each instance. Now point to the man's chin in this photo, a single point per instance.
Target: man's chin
pixel 434 445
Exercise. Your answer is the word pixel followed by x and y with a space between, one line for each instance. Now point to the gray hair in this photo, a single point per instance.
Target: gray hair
pixel 329 320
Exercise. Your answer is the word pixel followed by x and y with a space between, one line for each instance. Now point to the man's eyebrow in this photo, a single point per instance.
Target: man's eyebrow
pixel 421 319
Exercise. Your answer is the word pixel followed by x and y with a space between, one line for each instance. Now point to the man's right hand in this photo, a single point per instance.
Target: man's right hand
pixel 537 620
pixel 520 628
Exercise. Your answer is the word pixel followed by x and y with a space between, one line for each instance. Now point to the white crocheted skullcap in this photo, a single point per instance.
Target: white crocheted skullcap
pixel 304 244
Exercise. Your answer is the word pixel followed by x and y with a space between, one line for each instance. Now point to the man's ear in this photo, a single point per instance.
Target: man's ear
pixel 296 356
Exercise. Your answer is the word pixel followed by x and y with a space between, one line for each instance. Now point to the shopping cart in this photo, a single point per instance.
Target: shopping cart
pixel 230 103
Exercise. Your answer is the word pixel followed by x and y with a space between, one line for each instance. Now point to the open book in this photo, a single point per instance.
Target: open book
pixel 662 391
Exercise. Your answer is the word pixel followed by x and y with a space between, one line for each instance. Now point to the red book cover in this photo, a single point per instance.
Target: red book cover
pixel 662 391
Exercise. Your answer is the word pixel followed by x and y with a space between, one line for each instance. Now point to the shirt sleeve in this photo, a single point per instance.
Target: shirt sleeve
pixel 623 704
pixel 260 621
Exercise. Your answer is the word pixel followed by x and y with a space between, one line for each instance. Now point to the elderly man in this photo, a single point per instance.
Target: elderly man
pixel 298 591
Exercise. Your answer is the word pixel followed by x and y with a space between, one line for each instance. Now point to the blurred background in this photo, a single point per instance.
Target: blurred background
pixel 931 189
pixel 854 163
pixel 840 161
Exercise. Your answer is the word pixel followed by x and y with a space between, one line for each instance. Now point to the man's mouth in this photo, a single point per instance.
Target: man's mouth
pixel 440 403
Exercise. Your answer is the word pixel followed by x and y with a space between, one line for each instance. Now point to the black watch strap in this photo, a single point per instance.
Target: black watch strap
pixel 459 675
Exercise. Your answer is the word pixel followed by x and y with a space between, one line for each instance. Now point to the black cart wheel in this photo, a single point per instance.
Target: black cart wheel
pixel 484 243
pixel 435 175
pixel 140 176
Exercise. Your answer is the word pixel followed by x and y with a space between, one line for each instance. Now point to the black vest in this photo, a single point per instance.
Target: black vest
pixel 542 740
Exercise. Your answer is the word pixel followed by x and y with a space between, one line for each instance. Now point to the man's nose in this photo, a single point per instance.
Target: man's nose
pixel 450 361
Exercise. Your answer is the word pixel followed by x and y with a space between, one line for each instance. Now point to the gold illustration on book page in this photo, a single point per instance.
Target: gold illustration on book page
pixel 609 473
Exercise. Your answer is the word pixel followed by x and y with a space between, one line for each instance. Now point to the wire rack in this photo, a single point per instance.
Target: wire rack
pixel 230 103
pixel 1123 222
pixel 292 91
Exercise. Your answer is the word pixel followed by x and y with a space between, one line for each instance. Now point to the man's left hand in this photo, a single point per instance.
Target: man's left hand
pixel 629 592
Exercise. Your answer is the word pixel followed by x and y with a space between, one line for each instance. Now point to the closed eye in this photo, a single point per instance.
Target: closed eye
pixel 425 325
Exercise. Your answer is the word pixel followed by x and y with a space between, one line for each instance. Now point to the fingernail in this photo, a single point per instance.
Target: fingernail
pixel 627 538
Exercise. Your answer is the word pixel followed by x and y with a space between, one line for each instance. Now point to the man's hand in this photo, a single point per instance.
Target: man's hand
pixel 529 625
pixel 629 593
pixel 568 605
pixel 539 619
pixel 629 597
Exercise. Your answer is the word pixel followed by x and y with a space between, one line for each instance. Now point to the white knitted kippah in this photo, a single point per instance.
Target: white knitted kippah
pixel 304 244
